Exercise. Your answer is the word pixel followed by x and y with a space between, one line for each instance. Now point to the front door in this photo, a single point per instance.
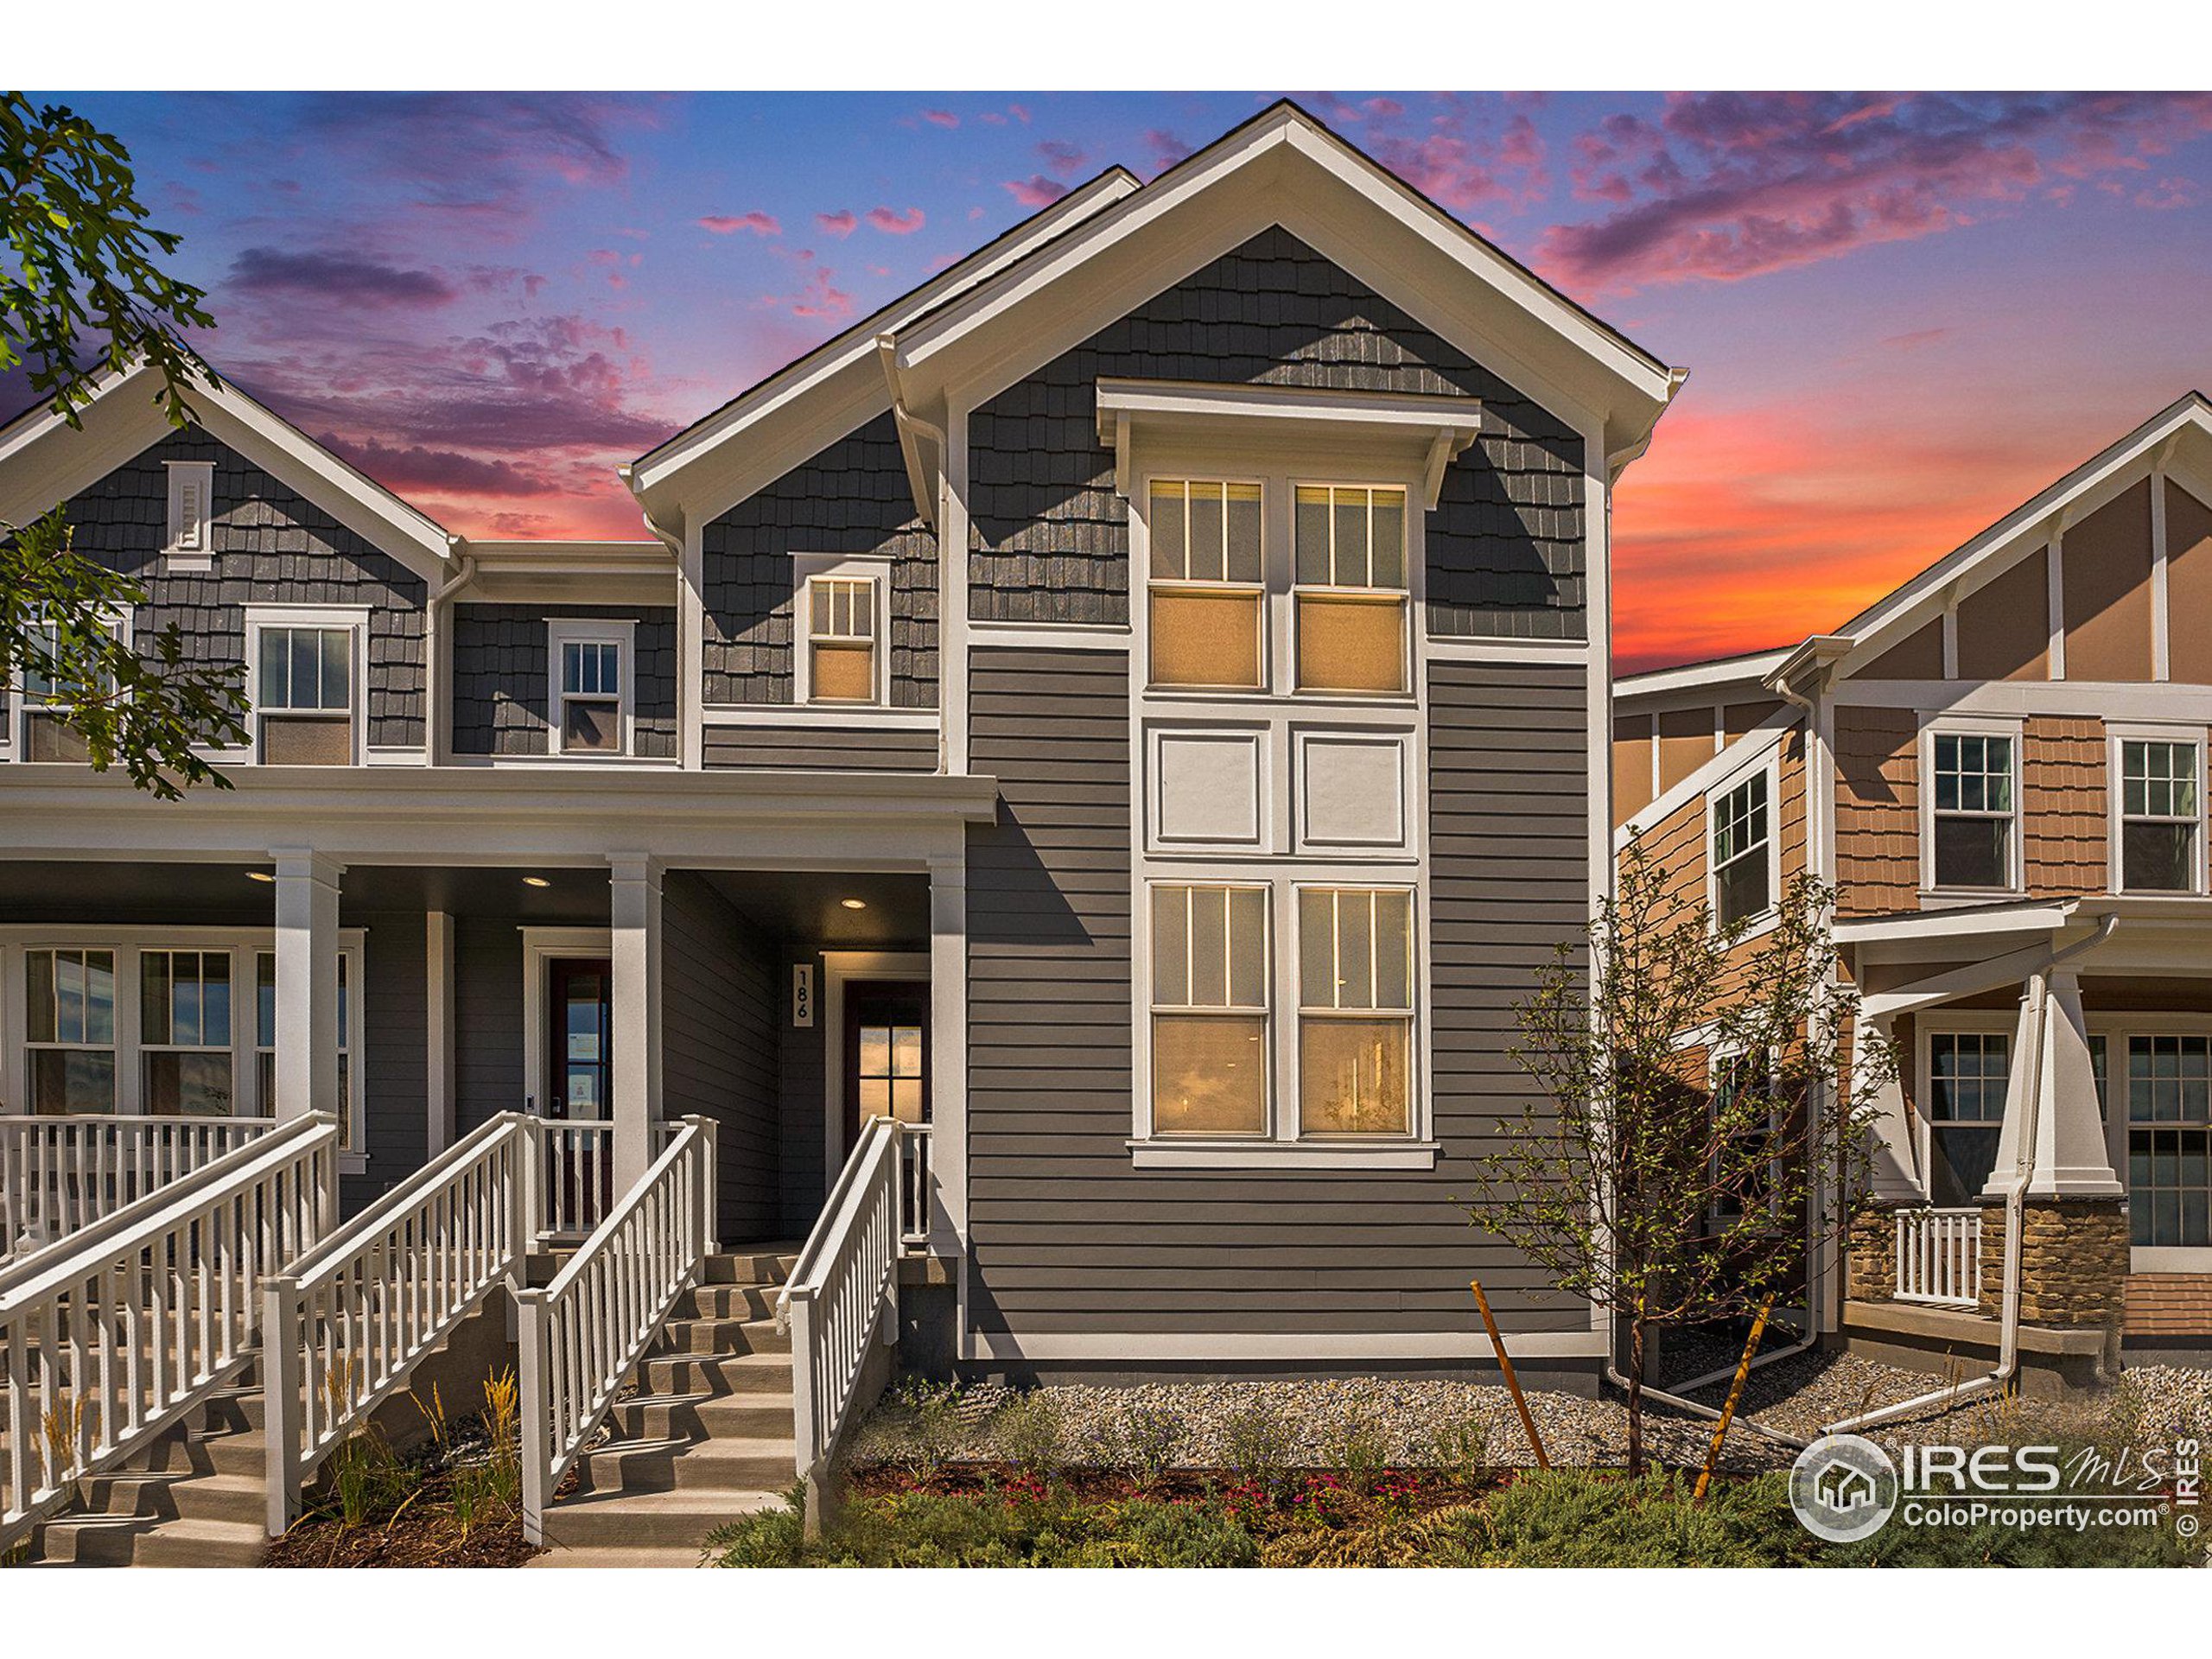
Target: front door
pixel 887 1053
pixel 581 993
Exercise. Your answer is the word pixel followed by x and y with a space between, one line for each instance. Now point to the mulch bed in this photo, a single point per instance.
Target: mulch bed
pixel 423 1533
pixel 1418 1490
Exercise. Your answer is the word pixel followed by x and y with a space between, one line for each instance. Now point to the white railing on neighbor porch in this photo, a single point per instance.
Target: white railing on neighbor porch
pixel 843 1298
pixel 576 1161
pixel 348 1323
pixel 59 1174
pixel 582 1336
pixel 110 1337
pixel 914 1188
pixel 1939 1257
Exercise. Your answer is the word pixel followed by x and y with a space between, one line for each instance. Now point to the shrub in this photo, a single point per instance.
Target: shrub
pixel 1461 1451
pixel 1031 1433
pixel 1359 1452
pixel 1147 1438
pixel 937 1432
pixel 1051 1529
pixel 1260 1445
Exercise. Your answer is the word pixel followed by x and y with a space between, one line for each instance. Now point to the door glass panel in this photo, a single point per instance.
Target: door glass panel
pixel 889 1079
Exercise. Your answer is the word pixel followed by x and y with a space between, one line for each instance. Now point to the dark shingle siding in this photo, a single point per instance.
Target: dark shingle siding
pixel 273 547
pixel 852 497
pixel 1049 536
pixel 502 675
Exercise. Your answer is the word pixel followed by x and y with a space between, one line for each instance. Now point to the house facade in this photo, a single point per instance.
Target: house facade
pixel 1999 770
pixel 1128 708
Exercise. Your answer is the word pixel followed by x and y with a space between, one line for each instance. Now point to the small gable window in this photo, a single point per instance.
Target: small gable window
pixel 843 634
pixel 304 694
pixel 590 694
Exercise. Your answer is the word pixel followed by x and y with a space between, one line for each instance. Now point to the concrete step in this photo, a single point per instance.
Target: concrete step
pixel 723 1337
pixel 768 1266
pixel 701 1416
pixel 727 1302
pixel 746 1464
pixel 88 1540
pixel 686 1373
pixel 643 1558
pixel 668 1520
pixel 201 1543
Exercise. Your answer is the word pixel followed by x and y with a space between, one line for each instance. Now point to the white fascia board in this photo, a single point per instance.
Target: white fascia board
pixel 1963 922
pixel 1750 673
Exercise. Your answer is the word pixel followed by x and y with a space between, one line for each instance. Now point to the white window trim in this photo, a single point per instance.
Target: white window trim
pixel 12 746
pixel 1763 922
pixel 1980 725
pixel 1403 596
pixel 2116 735
pixel 2116 1028
pixel 540 945
pixel 354 619
pixel 561 631
pixel 1928 1026
pixel 873 568
pixel 128 944
pixel 1266 831
pixel 1140 560
pixel 189 546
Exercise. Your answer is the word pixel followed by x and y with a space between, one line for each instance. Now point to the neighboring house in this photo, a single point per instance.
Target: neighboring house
pixel 2000 769
pixel 1128 706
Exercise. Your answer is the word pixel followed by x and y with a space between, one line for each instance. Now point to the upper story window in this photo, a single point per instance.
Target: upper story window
pixel 70 1003
pixel 303 701
pixel 1743 845
pixel 1975 804
pixel 2161 809
pixel 844 631
pixel 1355 1011
pixel 1209 1010
pixel 43 729
pixel 591 690
pixel 1350 590
pixel 1208 591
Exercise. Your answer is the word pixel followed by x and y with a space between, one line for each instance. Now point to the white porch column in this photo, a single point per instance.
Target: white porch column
pixel 2071 1159
pixel 636 920
pixel 949 1051
pixel 307 983
pixel 1895 1175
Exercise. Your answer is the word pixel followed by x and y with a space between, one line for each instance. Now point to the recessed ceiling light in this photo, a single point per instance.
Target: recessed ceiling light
pixel 536 881
pixel 259 875
pixel 854 903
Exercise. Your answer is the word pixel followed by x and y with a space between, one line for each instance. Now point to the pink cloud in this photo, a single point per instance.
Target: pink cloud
pixel 839 223
pixel 1060 155
pixel 941 117
pixel 759 223
pixel 1036 190
pixel 894 224
pixel 1163 149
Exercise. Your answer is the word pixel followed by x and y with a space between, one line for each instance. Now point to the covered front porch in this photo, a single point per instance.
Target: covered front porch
pixel 2055 1077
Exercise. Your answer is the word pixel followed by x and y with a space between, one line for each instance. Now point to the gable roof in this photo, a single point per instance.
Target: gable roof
pixel 44 461
pixel 1747 669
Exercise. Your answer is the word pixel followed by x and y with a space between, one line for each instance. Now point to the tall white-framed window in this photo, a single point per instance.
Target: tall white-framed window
pixel 1356 1002
pixel 188 1066
pixel 591 696
pixel 1970 807
pixel 1206 592
pixel 1742 1091
pixel 2158 809
pixel 304 669
pixel 191 544
pixel 1350 591
pixel 1211 1062
pixel 843 624
pixel 70 1030
pixel 1744 862
pixel 1965 1071
pixel 2169 1083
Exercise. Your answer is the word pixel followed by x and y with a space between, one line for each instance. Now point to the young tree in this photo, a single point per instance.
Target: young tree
pixel 81 294
pixel 1697 1108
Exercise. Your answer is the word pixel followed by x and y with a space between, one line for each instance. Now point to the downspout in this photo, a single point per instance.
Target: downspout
pixel 2016 1193
pixel 438 737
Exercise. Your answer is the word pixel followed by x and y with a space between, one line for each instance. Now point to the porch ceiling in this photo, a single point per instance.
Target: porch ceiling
pixel 178 894
pixel 809 904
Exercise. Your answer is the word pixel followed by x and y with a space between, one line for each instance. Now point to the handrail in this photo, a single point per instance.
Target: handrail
pixel 60 1174
pixel 582 1337
pixel 1939 1256
pixel 349 1322
pixel 112 1336
pixel 842 1297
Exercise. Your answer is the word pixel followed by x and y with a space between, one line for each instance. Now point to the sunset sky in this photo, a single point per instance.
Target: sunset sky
pixel 1903 315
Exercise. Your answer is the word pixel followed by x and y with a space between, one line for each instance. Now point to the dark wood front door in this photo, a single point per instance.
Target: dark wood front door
pixel 579 991
pixel 887 1053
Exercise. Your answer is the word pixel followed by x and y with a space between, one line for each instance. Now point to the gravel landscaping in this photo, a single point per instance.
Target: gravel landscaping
pixel 1339 1422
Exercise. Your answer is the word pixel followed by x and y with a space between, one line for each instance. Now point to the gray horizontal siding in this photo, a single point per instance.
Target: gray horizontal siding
pixel 852 498
pixel 1069 1236
pixel 272 547
pixel 821 748
pixel 502 676
pixel 395 1057
pixel 1049 536
pixel 487 1020
pixel 718 1054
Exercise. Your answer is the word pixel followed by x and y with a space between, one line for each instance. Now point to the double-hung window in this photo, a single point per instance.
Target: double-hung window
pixel 304 695
pixel 46 732
pixel 264 1042
pixel 1968 1071
pixel 1355 1011
pixel 184 1033
pixel 1352 596
pixel 71 1030
pixel 1208 594
pixel 1209 1010
pixel 844 635
pixel 2169 1141
pixel 591 687
pixel 1744 1104
pixel 1742 846
pixel 2160 810
pixel 1974 809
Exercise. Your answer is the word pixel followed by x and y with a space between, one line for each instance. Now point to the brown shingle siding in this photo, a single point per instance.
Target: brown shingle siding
pixel 1877 808
pixel 2063 838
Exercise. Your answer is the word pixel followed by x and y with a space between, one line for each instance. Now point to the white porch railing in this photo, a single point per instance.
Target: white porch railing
pixel 842 1298
pixel 60 1174
pixel 582 1336
pixel 350 1320
pixel 1939 1257
pixel 577 1162
pixel 110 1338
pixel 914 1188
